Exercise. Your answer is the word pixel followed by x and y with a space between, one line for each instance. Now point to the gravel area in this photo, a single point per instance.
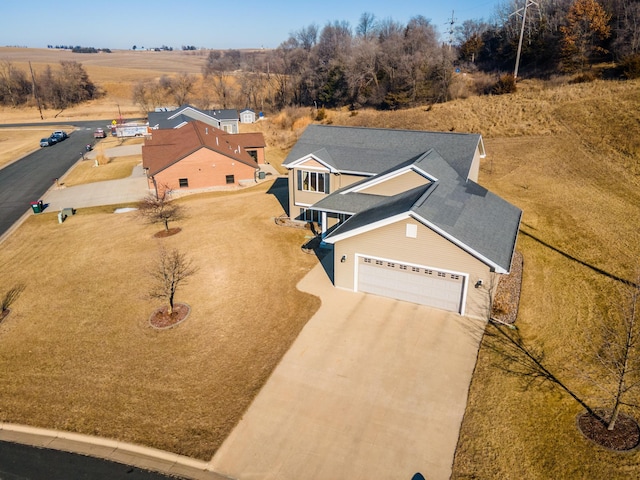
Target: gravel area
pixel 507 300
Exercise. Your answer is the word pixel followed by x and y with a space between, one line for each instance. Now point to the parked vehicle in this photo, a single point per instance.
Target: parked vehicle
pixel 60 135
pixel 47 142
pixel 99 133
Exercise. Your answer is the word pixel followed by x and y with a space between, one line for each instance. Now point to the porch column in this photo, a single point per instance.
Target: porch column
pixel 324 224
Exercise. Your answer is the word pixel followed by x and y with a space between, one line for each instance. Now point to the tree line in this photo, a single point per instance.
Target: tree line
pixel 385 64
pixel 53 88
pixel 559 36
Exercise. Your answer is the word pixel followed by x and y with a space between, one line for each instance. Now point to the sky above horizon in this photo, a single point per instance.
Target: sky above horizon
pixel 206 24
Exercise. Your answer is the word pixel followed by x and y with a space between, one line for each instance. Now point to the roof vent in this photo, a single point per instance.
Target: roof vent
pixel 206 131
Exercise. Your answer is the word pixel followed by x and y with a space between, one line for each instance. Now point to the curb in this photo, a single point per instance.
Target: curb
pixel 113 450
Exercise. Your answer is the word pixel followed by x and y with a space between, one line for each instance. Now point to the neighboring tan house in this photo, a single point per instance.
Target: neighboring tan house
pixel 198 156
pixel 226 120
pixel 404 213
pixel 247 116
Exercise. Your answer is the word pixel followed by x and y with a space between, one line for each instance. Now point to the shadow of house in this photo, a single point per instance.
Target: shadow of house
pixel 280 190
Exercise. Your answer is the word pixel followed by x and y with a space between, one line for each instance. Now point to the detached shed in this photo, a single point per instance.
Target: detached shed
pixel 247 116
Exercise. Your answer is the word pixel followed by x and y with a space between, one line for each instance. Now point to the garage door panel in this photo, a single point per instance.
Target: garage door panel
pixel 417 285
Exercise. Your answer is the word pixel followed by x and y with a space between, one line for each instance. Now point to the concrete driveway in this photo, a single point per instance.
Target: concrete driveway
pixel 372 388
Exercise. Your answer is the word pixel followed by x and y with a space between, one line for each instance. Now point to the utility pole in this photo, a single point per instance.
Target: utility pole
pixel 527 4
pixel 35 93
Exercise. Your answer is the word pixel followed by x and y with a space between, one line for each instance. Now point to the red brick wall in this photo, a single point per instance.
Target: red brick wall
pixel 203 169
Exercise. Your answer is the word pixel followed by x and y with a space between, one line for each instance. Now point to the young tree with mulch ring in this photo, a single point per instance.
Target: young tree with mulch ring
pixel 613 366
pixel 171 270
pixel 161 209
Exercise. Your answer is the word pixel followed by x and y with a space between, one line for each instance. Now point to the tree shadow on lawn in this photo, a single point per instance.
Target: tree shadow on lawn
pixel 566 255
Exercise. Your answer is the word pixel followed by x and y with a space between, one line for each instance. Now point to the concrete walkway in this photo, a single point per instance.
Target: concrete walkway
pixel 372 388
pixel 110 192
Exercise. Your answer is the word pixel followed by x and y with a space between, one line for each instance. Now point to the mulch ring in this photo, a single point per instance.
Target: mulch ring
pixel 162 320
pixel 4 314
pixel 507 297
pixel 167 233
pixel 625 435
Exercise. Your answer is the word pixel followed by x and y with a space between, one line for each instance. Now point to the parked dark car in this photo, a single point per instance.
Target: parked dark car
pixel 47 142
pixel 60 135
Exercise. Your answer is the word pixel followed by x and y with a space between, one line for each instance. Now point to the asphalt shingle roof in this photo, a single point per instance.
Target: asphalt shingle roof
pixel 373 150
pixel 166 147
pixel 459 208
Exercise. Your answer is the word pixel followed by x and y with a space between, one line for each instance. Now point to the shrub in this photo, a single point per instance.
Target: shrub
pixel 321 114
pixel 631 66
pixel 585 77
pixel 505 84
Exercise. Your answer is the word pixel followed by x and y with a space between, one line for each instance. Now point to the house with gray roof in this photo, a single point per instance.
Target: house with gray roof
pixel 404 214
pixel 224 119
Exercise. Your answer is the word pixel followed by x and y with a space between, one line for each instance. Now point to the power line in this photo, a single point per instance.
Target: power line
pixel 451 30
pixel 527 4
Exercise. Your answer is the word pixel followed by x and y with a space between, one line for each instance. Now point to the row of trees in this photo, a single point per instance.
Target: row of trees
pixel 386 64
pixel 59 88
pixel 559 35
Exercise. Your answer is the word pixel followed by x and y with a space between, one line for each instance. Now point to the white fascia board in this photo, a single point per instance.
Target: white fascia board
pixel 333 211
pixel 369 227
pixel 306 158
pixel 190 109
pixel 480 147
pixel 457 242
pixel 353 172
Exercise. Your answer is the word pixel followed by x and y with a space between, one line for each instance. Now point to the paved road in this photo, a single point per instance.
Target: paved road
pixel 27 180
pixel 22 462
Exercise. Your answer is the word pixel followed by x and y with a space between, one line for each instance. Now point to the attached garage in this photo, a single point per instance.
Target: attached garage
pixel 410 283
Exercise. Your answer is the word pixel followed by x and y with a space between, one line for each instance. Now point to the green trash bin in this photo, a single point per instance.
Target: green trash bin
pixel 36 207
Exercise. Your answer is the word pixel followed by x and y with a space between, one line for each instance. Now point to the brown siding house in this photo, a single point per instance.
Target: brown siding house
pixel 403 214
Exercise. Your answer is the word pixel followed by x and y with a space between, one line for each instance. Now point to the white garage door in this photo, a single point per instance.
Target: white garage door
pixel 411 284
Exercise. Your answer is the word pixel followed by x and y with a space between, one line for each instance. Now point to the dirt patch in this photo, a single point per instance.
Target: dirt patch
pixel 625 435
pixel 162 319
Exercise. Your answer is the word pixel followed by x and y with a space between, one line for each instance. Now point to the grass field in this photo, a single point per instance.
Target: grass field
pixel 77 352
pixel 568 155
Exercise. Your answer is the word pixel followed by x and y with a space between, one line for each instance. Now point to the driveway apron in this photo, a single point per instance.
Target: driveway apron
pixel 372 388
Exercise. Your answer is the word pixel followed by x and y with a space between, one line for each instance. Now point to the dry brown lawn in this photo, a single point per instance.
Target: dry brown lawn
pixel 87 172
pixel 77 352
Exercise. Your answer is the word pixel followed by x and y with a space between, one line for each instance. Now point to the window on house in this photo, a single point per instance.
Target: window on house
pixel 313 181
pixel 253 154
pixel 184 182
pixel 230 179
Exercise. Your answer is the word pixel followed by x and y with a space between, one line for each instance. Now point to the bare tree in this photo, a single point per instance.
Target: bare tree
pixel 612 364
pixel 610 357
pixel 160 209
pixel 171 270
